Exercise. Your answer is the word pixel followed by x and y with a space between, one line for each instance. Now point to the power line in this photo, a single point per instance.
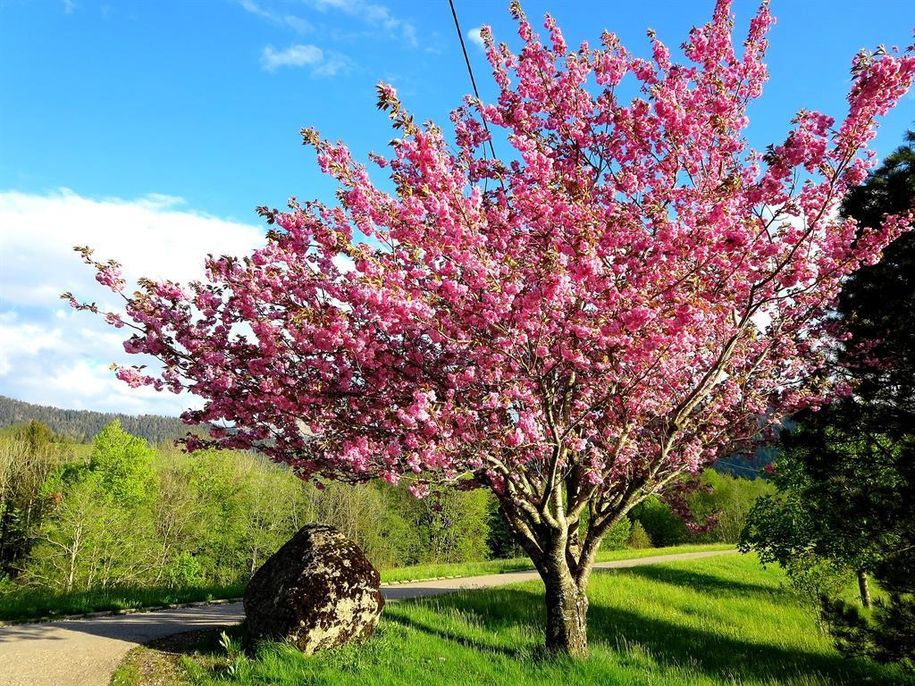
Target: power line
pixel 753 470
pixel 473 81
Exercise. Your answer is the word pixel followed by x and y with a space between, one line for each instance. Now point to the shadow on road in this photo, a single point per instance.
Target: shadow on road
pixel 132 628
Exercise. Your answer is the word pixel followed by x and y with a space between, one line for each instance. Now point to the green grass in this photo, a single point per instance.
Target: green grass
pixel 723 620
pixel 25 604
pixel 435 571
pixel 36 603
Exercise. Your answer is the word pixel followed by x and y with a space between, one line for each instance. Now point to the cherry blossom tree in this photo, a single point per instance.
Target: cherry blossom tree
pixel 628 293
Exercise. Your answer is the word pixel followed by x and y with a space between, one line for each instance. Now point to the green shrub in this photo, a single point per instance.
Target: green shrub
pixel 814 578
pixel 662 525
pixel 638 537
pixel 617 535
pixel 184 570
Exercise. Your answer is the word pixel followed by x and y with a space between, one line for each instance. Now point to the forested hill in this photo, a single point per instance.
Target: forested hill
pixel 82 425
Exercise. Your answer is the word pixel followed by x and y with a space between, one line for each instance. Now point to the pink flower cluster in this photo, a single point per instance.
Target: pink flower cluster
pixel 629 292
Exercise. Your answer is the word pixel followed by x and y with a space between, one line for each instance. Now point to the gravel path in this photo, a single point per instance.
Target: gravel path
pixel 85 652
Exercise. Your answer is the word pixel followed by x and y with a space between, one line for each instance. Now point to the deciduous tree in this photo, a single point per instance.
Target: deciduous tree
pixel 628 293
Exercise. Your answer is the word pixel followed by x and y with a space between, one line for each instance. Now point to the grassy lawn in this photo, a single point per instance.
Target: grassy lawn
pixel 28 604
pixel 434 571
pixel 723 620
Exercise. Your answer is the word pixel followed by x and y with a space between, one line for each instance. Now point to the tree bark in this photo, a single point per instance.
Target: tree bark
pixel 566 612
pixel 550 537
pixel 864 588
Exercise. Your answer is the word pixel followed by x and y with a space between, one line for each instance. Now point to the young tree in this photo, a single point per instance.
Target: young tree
pixel 98 529
pixel 124 465
pixel 628 294
pixel 88 539
pixel 836 489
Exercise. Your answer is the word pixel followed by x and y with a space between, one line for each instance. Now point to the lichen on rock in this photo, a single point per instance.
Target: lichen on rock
pixel 317 592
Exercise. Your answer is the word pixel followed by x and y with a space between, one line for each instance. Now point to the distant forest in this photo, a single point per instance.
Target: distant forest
pixel 82 425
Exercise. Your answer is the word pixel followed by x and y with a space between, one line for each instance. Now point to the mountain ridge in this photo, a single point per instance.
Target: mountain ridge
pixel 82 425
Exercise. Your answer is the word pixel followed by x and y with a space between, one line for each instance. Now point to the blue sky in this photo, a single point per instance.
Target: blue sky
pixel 152 129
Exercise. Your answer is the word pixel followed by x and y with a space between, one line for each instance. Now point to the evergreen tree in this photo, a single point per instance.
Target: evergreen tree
pixel 847 473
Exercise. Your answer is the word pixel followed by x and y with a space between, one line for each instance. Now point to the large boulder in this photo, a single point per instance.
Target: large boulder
pixel 318 591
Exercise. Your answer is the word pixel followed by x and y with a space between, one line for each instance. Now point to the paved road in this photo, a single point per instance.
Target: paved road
pixel 85 652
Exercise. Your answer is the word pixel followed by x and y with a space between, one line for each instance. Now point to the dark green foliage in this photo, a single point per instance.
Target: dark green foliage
pixel 851 631
pixel 878 302
pixel 839 495
pixel 887 636
pixel 501 542
pixel 659 521
pixel 894 630
pixel 846 476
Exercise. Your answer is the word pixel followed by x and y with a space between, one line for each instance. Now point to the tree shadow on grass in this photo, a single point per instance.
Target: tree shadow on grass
pixel 702 582
pixel 472 642
pixel 669 644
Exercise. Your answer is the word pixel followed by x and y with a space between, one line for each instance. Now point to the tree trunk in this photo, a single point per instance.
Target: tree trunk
pixel 566 613
pixel 864 588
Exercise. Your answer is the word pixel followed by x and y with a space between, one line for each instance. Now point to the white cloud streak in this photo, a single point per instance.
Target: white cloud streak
pixel 373 14
pixel 290 21
pixel 50 354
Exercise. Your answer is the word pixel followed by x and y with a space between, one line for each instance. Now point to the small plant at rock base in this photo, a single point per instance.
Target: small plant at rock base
pixel 236 660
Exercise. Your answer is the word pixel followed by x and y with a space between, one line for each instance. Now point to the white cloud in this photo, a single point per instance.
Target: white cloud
pixel 24 339
pixel 293 56
pixel 344 263
pixel 69 6
pixel 475 37
pixel 374 14
pixel 149 235
pixel 50 354
pixel 321 63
